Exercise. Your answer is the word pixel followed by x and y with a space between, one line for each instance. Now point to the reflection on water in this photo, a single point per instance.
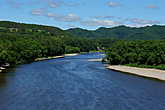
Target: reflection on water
pixel 2 80
pixel 4 76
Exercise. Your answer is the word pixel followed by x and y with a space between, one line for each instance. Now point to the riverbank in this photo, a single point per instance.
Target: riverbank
pixel 2 69
pixel 48 58
pixel 96 60
pixel 54 57
pixel 73 54
pixel 144 72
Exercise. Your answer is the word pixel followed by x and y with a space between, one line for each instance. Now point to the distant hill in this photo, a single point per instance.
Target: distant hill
pixel 123 32
pixel 22 28
pixel 154 32
pixel 23 43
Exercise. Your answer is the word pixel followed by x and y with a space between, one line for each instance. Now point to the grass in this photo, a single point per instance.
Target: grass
pixel 161 67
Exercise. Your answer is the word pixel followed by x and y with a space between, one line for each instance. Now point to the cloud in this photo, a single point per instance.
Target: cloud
pixel 54 4
pixel 38 12
pixel 143 21
pixel 96 22
pixel 64 18
pixel 138 25
pixel 104 17
pixel 152 7
pixel 107 17
pixel 58 3
pixel 116 20
pixel 113 4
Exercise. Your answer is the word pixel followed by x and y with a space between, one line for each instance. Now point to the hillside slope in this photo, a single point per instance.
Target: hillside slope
pixel 22 28
pixel 154 32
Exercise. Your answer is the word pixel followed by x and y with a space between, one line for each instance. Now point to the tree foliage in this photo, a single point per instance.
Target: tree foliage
pixel 137 52
pixel 22 43
pixel 154 32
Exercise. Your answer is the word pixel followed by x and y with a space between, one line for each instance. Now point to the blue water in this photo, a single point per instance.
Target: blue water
pixel 74 83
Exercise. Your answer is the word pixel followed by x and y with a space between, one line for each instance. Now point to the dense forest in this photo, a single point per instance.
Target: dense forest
pixel 23 43
pixel 154 32
pixel 17 49
pixel 148 53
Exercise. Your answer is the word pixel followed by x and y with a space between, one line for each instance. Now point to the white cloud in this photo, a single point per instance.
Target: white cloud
pixel 54 4
pixel 116 20
pixel 113 4
pixel 71 17
pixel 143 21
pixel 108 17
pixel 96 22
pixel 38 12
pixel 65 18
pixel 138 25
pixel 51 15
pixel 104 17
pixel 59 3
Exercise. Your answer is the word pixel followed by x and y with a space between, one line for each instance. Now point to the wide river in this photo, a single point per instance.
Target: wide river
pixel 74 83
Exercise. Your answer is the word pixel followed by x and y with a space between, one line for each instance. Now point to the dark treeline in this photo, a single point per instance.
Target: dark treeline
pixel 136 53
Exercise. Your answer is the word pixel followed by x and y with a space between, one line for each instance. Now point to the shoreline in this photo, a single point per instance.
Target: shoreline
pixel 95 60
pixel 72 54
pixel 54 57
pixel 143 72
pixel 43 58
pixel 48 58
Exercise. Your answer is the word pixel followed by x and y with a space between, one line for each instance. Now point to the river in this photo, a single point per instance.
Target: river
pixel 74 83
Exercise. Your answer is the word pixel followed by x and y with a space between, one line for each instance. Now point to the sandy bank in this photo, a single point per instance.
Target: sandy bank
pixel 74 54
pixel 54 57
pixel 96 60
pixel 145 72
pixel 48 58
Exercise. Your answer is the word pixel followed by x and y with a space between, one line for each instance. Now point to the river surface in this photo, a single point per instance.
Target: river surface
pixel 74 83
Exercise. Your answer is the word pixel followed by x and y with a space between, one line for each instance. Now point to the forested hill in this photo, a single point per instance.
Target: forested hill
pixel 23 43
pixel 22 28
pixel 154 32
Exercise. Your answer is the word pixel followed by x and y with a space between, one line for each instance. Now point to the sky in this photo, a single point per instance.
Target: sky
pixel 87 14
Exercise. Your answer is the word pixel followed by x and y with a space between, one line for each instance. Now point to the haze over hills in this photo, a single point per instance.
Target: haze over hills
pixel 154 32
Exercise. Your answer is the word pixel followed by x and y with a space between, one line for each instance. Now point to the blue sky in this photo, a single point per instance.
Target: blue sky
pixel 89 14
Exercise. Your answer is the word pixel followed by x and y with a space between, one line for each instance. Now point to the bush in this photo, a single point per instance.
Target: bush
pixel 69 49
